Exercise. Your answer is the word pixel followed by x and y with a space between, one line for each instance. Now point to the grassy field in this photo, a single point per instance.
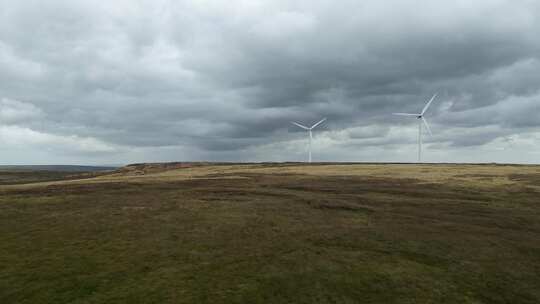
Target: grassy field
pixel 281 233
pixel 10 175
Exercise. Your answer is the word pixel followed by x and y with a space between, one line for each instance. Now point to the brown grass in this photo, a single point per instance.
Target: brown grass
pixel 276 234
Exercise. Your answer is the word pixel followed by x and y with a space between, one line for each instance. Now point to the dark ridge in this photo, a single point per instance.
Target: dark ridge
pixel 56 168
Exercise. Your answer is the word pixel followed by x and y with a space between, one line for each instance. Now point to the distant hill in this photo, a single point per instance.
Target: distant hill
pixel 145 168
pixel 56 168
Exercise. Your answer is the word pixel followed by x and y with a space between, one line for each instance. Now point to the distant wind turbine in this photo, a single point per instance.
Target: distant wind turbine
pixel 421 120
pixel 310 133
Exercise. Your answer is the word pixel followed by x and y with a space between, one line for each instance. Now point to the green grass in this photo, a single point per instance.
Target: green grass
pixel 271 238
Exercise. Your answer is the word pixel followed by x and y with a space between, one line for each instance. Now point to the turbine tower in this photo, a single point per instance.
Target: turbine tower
pixel 421 120
pixel 310 132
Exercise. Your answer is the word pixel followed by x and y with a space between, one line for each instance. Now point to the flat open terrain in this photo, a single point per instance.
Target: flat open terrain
pixel 283 233
pixel 10 175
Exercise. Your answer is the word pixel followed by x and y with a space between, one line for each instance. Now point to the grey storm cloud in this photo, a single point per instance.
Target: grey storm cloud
pixel 224 76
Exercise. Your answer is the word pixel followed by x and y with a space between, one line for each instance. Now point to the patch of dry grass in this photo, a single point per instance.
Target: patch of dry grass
pixel 276 234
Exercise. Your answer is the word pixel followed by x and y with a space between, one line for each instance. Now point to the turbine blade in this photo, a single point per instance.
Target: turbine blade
pixel 320 122
pixel 405 114
pixel 427 126
pixel 299 125
pixel 428 104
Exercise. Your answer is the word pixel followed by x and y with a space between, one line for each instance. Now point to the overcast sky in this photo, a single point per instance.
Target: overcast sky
pixel 114 82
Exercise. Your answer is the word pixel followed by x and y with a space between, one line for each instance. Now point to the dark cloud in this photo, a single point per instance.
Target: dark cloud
pixel 224 79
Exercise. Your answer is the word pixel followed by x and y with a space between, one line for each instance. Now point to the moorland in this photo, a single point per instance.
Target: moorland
pixel 272 233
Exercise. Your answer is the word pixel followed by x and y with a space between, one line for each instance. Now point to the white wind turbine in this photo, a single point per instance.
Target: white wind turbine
pixel 310 133
pixel 421 120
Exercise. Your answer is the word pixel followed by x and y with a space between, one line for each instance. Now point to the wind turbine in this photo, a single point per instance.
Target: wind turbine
pixel 310 133
pixel 421 120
